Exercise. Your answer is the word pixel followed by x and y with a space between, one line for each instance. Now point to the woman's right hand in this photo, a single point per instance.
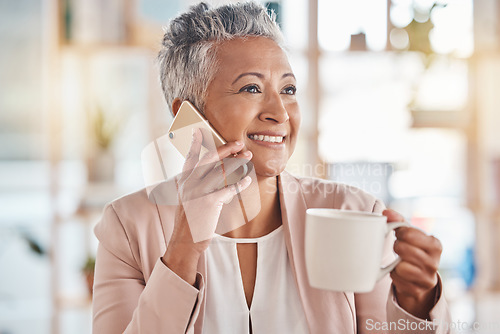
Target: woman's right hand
pixel 201 203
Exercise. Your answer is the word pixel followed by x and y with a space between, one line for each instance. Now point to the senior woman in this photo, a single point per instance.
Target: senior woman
pixel 151 275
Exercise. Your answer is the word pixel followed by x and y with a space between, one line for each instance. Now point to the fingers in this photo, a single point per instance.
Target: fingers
pixel 431 245
pixel 222 152
pixel 225 174
pixel 227 194
pixel 408 279
pixel 231 164
pixel 208 178
pixel 416 274
pixel 194 152
pixel 393 216
pixel 417 257
pixel 222 176
pixel 229 171
pixel 416 237
pixel 211 158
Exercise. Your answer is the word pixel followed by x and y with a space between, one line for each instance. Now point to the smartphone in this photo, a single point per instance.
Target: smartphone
pixel 181 130
pixel 181 134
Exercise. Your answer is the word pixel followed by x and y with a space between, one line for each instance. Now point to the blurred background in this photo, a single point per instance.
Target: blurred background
pixel 399 97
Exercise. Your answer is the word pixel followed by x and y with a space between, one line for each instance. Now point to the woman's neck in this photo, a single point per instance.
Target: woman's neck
pixel 269 217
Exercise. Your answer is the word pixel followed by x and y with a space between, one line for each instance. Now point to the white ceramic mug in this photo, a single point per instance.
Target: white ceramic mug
pixel 344 249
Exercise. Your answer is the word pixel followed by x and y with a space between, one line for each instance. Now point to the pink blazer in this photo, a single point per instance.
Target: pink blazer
pixel 134 292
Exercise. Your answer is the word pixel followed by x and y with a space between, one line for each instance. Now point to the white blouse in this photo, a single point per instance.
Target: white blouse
pixel 275 307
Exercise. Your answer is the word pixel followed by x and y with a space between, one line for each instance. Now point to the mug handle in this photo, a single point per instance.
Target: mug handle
pixel 387 269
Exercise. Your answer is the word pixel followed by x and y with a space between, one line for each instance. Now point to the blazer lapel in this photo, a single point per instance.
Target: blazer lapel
pixel 325 311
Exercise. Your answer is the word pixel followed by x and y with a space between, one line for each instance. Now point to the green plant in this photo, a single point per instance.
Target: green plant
pixel 88 271
pixel 89 264
pixel 419 29
pixel 104 127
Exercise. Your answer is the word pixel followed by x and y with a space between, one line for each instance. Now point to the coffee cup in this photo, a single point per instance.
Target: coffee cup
pixel 344 249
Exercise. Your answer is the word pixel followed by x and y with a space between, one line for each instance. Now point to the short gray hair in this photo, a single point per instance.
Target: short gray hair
pixel 187 58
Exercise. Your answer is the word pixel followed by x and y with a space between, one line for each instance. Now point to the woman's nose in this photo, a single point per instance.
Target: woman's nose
pixel 274 110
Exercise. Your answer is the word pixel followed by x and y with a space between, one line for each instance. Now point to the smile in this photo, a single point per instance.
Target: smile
pixel 266 138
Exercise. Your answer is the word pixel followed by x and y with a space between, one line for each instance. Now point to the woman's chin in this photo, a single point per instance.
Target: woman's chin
pixel 269 169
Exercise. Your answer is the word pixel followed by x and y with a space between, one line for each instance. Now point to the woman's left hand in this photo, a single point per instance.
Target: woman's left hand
pixel 415 278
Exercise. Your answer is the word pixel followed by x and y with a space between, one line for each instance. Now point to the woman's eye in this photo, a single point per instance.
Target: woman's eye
pixel 290 90
pixel 253 89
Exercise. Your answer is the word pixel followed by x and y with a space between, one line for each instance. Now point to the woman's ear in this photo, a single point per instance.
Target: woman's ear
pixel 176 104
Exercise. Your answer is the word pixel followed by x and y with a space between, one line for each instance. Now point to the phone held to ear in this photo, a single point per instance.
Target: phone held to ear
pixel 246 205
pixel 180 135
pixel 181 130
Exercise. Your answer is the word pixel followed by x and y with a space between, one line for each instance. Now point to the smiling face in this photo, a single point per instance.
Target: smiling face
pixel 252 99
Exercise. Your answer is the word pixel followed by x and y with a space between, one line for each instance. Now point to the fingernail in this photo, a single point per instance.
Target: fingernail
pixel 246 153
pixel 239 143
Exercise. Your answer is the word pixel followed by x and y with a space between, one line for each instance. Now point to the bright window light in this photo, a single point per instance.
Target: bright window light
pixel 338 20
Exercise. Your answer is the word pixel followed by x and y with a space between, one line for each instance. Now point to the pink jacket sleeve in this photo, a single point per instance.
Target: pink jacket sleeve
pixel 124 302
pixel 405 323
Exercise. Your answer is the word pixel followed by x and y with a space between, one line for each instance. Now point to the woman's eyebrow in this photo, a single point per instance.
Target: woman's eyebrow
pixel 260 76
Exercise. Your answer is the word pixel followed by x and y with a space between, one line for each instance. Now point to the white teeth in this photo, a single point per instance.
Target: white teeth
pixel 271 139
